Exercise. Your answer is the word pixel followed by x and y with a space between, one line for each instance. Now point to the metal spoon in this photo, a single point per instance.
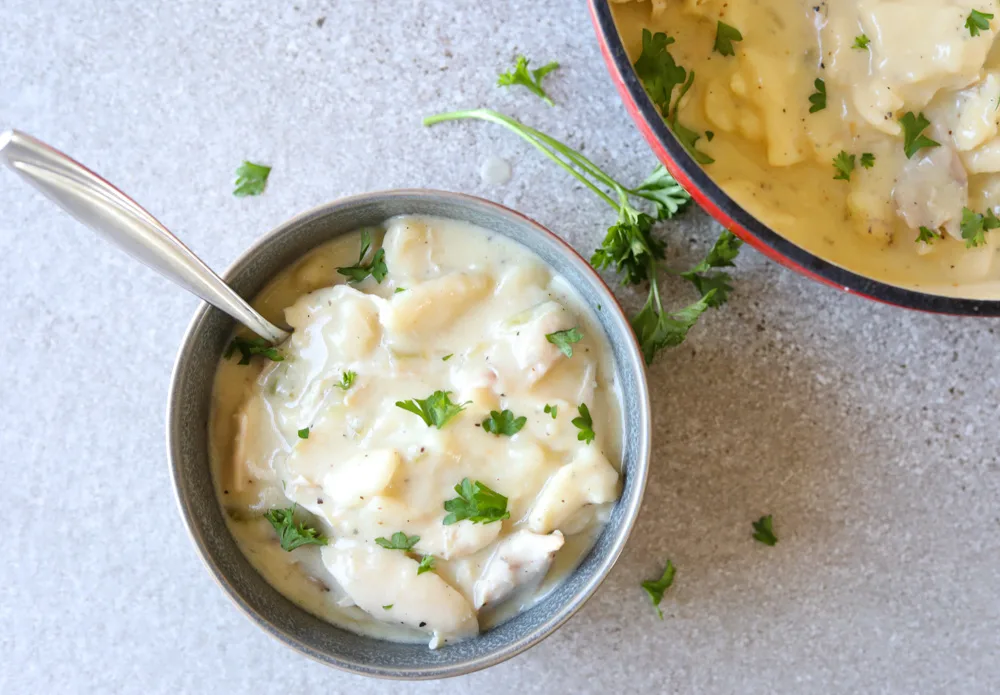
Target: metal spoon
pixel 109 212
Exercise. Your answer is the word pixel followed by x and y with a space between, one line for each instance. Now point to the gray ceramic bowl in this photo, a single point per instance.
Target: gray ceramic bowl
pixel 187 444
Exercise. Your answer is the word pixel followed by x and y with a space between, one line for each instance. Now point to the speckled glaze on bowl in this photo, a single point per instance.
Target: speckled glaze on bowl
pixel 187 443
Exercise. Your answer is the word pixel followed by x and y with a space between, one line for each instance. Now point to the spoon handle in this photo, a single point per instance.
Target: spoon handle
pixel 119 219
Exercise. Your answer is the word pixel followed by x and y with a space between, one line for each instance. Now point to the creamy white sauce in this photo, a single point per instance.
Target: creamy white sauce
pixel 775 158
pixel 369 469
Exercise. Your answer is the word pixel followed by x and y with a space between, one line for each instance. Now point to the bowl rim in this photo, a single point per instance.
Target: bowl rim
pixel 634 362
pixel 730 214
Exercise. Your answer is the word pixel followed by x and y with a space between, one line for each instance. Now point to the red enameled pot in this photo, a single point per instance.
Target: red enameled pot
pixel 724 209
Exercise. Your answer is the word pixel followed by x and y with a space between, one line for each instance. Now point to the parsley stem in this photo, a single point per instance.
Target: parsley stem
pixel 543 143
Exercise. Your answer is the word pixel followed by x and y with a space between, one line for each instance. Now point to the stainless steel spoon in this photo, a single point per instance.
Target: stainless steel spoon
pixel 109 212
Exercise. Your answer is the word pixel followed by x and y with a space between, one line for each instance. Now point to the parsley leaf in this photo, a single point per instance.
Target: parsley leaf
pixel 532 79
pixel 564 340
pixel 477 503
pixel 426 564
pixel 347 380
pixel 723 253
pixel 304 433
pixel 399 541
pixel 724 37
pixel 435 410
pixel 913 141
pixel 764 531
pixel 503 422
pixel 360 270
pixel 657 587
pixel 867 160
pixel 552 410
pixel 657 329
pixel 658 70
pixel 251 179
pixel 974 226
pixel 927 235
pixel 387 606
pixel 629 247
pixel 663 190
pixel 844 164
pixel 289 535
pixel 978 21
pixel 818 98
pixel 584 423
pixel 447 357
pixel 861 42
pixel 249 347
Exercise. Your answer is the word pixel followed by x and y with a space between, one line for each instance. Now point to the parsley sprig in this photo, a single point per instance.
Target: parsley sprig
pixel 426 564
pixel 660 74
pixel 504 423
pixel 584 423
pixel 861 42
pixel 927 235
pixel 477 503
pixel 724 37
pixel 435 410
pixel 532 79
pixel 290 534
pixel 360 270
pixel 975 225
pixel 657 587
pixel 763 530
pixel 844 164
pixel 629 246
pixel 978 21
pixel 913 138
pixel 398 541
pixel 251 179
pixel 564 340
pixel 248 347
pixel 818 98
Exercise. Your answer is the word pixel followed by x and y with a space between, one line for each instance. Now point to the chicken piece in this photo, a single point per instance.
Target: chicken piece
pixel 360 477
pixel 587 479
pixel 520 560
pixel 431 306
pixel 335 324
pixel 374 577
pixel 456 540
pixel 532 351
pixel 932 190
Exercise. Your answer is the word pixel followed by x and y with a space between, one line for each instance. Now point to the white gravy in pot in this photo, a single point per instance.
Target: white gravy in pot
pixel 461 311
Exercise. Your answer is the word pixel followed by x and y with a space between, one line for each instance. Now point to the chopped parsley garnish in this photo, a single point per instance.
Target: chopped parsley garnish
pixel 724 37
pixel 844 164
pixel 435 410
pixel 249 347
pixel 629 246
pixel 764 530
pixel 304 433
pixel 818 98
pixel 978 21
pixel 861 42
pixel 398 290
pixel 867 160
pixel 709 135
pixel 426 564
pixel 360 270
pixel 447 357
pixel 552 410
pixel 251 179
pixel 290 535
pixel 564 340
pixel 723 253
pixel 660 73
pixel 477 503
pixel 657 587
pixel 974 226
pixel 532 79
pixel 913 140
pixel 347 380
pixel 387 606
pixel 399 541
pixel 504 423
pixel 584 423
pixel 927 235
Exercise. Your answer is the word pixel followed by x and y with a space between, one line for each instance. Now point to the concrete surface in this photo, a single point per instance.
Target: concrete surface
pixel 869 432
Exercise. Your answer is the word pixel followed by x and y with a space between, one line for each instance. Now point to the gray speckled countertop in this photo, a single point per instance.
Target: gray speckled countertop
pixel 869 432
